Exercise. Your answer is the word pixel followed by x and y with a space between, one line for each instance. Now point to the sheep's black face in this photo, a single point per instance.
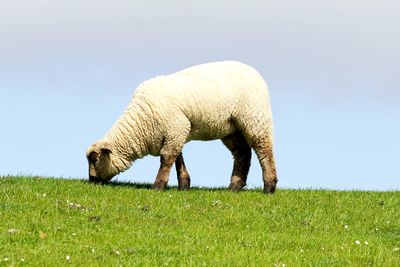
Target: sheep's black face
pixel 100 164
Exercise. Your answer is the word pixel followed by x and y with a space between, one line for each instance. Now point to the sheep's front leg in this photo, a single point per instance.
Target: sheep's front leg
pixel 182 173
pixel 163 173
pixel 171 152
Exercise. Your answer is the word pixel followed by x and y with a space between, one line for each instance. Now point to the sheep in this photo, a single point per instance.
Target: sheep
pixel 225 100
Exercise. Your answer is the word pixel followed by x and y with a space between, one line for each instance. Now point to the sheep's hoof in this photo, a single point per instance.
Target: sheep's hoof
pixel 158 185
pixel 269 189
pixel 235 187
pixel 183 187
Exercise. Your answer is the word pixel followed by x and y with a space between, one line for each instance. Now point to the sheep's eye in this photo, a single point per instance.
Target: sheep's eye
pixel 93 156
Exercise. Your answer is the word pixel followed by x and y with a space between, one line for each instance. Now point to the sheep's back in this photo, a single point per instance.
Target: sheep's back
pixel 210 96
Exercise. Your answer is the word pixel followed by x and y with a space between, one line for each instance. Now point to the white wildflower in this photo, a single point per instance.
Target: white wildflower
pixel 68 258
pixel 358 242
pixel 217 203
pixel 13 231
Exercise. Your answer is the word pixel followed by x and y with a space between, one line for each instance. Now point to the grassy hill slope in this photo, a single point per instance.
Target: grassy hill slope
pixel 49 222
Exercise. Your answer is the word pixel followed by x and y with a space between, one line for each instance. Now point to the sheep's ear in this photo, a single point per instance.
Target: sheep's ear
pixel 106 148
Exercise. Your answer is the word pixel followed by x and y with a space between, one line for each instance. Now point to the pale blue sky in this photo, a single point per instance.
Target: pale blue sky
pixel 68 69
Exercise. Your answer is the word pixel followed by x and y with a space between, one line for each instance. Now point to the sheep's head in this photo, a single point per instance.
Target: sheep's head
pixel 100 159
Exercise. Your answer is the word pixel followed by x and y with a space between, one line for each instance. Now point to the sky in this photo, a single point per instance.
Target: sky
pixel 69 68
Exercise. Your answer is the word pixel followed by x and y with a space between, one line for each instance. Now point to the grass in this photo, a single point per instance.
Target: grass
pixel 60 222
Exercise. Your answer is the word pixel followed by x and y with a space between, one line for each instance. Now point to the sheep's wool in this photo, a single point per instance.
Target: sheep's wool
pixel 204 102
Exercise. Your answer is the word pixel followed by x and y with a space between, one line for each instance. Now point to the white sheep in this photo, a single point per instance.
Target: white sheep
pixel 221 100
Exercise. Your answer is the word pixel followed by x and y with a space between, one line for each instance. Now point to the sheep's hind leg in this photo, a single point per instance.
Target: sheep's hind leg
pixel 263 149
pixel 182 173
pixel 241 153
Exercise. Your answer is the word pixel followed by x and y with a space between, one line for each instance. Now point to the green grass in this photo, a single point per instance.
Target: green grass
pixel 45 221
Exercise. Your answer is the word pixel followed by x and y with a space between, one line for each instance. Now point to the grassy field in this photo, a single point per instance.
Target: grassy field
pixel 58 222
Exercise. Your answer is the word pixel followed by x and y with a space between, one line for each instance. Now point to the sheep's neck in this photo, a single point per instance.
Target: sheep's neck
pixel 130 136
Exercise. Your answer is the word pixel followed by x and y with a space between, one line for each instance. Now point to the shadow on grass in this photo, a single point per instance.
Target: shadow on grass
pixel 149 186
pixel 133 185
